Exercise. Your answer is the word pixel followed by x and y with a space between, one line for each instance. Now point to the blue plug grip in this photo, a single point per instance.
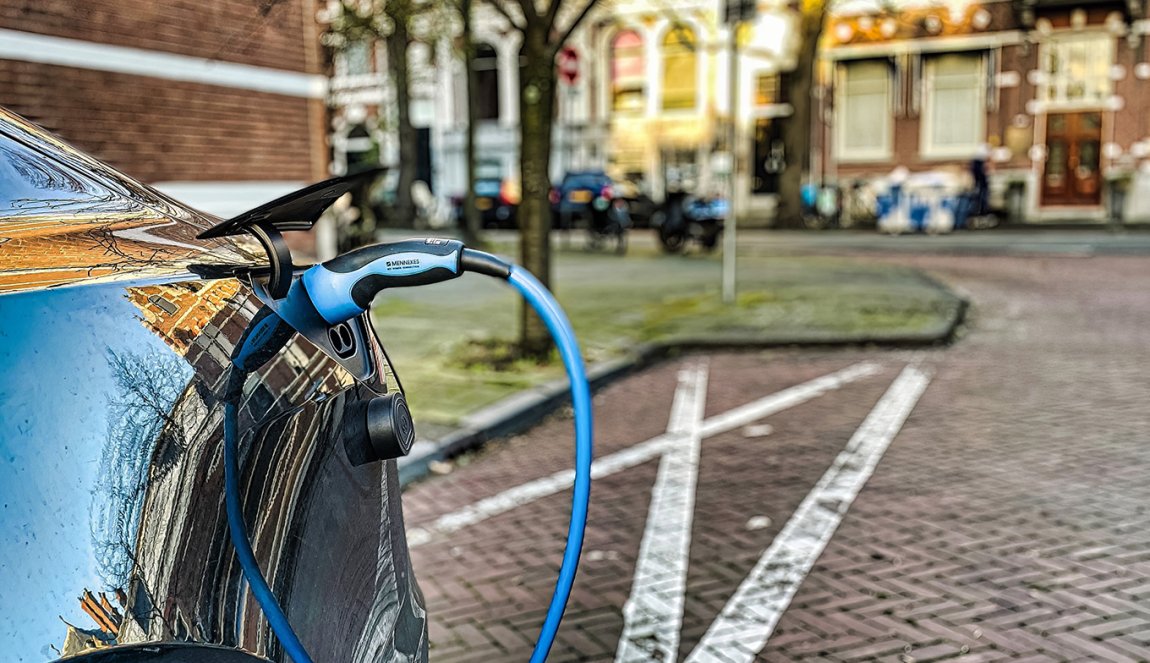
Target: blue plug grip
pixel 340 296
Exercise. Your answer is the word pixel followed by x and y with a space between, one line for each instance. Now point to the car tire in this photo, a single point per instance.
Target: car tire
pixel 672 242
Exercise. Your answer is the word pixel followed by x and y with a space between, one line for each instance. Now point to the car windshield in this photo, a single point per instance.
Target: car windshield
pixel 487 188
pixel 584 181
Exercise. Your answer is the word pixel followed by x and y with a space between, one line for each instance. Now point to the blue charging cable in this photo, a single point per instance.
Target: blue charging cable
pixel 277 620
pixel 548 309
pixel 343 288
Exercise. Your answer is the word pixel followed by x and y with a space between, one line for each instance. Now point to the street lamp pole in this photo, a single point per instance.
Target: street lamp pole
pixel 735 12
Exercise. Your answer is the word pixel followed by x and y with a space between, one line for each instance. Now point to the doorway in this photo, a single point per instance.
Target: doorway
pixel 1073 174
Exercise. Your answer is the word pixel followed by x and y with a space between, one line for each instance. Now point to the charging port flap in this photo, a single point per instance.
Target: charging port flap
pixel 298 210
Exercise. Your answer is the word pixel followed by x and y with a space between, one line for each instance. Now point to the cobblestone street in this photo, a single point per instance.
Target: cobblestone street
pixel 981 502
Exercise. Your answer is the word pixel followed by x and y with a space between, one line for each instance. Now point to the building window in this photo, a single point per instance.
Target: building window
pixel 486 92
pixel 628 70
pixel 357 58
pixel 163 304
pixel 766 89
pixel 1077 68
pixel 864 116
pixel 679 72
pixel 954 110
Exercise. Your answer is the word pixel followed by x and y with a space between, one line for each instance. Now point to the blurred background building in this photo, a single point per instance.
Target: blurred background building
pixel 1052 93
pixel 228 104
pixel 648 103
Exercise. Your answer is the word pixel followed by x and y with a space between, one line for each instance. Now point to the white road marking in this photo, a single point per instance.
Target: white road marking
pixel 653 614
pixel 757 522
pixel 777 402
pixel 758 430
pixel 637 454
pixel 745 624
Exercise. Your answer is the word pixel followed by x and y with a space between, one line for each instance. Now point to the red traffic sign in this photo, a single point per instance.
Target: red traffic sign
pixel 568 62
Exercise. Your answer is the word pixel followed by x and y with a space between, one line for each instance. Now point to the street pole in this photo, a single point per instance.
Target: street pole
pixel 570 130
pixel 729 266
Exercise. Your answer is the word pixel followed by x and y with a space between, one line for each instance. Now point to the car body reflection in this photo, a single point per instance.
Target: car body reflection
pixel 111 484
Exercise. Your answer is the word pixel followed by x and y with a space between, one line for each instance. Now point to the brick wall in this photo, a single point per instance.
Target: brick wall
pixel 162 130
pixel 259 32
pixel 1012 101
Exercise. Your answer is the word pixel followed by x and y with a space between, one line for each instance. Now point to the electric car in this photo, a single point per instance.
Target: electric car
pixel 119 329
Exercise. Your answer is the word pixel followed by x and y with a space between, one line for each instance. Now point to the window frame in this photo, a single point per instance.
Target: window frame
pixel 927 148
pixel 617 86
pixel 688 52
pixel 775 82
pixel 1063 39
pixel 857 155
pixel 484 69
pixel 361 51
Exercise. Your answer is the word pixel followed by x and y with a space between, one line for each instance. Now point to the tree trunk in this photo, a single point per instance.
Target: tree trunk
pixel 471 221
pixel 537 83
pixel 797 135
pixel 402 210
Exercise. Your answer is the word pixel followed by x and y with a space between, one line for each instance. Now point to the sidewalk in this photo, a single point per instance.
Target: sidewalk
pixel 996 512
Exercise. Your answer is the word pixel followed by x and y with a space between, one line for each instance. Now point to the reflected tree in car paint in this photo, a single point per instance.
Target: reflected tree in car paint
pixel 144 443
pixel 53 419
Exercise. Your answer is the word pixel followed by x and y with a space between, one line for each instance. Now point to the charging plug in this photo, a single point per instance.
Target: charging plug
pixel 343 287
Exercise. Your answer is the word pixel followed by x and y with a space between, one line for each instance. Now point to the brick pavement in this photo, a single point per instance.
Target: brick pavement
pixel 1007 520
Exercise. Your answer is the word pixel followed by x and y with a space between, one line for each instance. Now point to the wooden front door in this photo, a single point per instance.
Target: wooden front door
pixel 1073 174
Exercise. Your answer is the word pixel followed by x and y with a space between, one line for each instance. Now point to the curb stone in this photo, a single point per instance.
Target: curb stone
pixel 519 412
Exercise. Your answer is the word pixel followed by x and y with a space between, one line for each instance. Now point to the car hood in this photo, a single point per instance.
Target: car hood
pixel 66 219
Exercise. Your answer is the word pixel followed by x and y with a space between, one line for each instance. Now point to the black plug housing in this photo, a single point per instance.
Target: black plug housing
pixel 379 428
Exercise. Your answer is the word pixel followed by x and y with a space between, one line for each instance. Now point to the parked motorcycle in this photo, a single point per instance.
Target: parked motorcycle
pixel 609 222
pixel 683 219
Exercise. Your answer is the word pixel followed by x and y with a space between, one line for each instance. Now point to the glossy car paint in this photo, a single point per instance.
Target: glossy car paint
pixel 116 331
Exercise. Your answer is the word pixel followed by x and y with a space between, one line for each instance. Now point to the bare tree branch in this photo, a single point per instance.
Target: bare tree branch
pixel 497 5
pixel 530 16
pixel 553 13
pixel 575 24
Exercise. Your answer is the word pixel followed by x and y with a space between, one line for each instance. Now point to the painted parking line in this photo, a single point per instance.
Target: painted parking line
pixel 653 615
pixel 637 454
pixel 749 617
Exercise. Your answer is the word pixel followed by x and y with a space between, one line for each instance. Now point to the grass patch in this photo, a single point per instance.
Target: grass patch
pixel 452 343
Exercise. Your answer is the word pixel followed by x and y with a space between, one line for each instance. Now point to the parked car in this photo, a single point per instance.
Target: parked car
pixel 119 332
pixel 579 195
pixel 497 200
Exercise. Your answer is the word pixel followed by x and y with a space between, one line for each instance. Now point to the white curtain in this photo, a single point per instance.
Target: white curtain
pixel 865 116
pixel 955 114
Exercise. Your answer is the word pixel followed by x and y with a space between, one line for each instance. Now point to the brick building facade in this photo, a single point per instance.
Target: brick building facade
pixel 218 102
pixel 1051 93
